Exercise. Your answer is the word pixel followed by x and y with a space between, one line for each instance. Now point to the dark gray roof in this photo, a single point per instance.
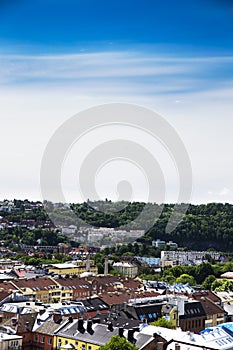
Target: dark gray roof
pixel 118 319
pixel 193 309
pixel 100 334
pixel 94 304
pixel 149 311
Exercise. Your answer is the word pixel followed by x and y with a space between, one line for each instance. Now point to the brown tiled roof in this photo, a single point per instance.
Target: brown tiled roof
pixel 49 326
pixel 4 294
pixel 115 298
pixel 105 279
pixel 39 283
pixel 8 286
pixel 209 306
pixel 130 283
pixel 207 294
pixel 73 282
pixel 24 323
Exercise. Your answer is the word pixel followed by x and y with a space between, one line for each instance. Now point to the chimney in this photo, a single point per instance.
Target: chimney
pixel 88 264
pixel 89 326
pixel 121 332
pixel 41 311
pixel 160 345
pixel 80 325
pixel 57 317
pixel 130 335
pixel 110 326
pixel 106 266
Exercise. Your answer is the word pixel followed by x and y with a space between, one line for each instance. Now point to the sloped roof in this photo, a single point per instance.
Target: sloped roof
pixel 49 327
pixel 207 294
pixel 100 334
pixel 193 309
pixel 209 306
pixel 115 298
pixel 118 319
pixel 95 304
pixel 34 284
pixel 4 294
pixel 73 282
pixel 24 323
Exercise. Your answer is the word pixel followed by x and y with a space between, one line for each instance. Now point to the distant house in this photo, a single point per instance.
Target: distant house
pixel 126 268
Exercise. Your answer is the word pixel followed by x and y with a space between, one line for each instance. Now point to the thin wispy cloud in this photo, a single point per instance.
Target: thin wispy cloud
pixel 167 73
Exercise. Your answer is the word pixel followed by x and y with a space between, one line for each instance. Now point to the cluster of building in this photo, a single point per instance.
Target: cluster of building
pixel 161 244
pixel 101 236
pixel 84 313
pixel 129 266
pixel 26 207
pixel 178 257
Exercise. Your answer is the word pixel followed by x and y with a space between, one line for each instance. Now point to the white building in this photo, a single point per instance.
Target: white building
pixel 216 339
pixel 10 341
pixel 182 258
pixel 69 230
pixel 126 269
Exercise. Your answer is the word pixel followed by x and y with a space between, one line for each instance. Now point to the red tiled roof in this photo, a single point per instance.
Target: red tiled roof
pixel 73 282
pixel 8 286
pixel 209 306
pixel 206 294
pixel 115 298
pixel 39 283
pixel 128 283
pixel 4 294
pixel 122 297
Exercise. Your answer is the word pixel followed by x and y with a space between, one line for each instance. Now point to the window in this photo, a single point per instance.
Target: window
pixel 49 341
pixel 76 343
pixel 66 341
pixel 42 339
pixel 35 337
pixel 14 343
pixel 89 347
pixel 83 347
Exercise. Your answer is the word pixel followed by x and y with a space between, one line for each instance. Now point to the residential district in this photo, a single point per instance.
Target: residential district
pixel 71 305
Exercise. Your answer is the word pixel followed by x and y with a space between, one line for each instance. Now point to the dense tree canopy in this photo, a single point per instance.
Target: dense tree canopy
pixel 203 226
pixel 117 343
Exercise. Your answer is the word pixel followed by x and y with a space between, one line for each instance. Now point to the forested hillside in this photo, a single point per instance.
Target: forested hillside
pixel 203 226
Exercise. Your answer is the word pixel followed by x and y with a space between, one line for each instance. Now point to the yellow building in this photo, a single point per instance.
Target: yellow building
pixel 44 289
pixel 77 269
pixel 80 335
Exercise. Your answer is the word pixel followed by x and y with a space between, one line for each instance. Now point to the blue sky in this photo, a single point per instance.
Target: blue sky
pixel 58 57
pixel 57 25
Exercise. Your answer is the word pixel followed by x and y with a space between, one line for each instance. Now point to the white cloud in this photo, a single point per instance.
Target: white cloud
pixel 38 93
